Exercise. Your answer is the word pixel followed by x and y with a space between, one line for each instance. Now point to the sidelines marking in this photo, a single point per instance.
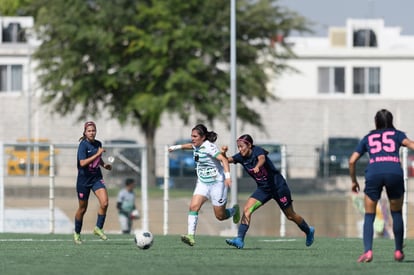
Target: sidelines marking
pixel 61 240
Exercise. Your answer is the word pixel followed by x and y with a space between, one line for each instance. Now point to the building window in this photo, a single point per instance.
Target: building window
pixel 331 80
pixel 367 80
pixel 11 78
pixel 365 38
pixel 14 33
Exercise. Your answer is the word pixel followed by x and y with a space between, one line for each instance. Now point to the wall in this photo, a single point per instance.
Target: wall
pixel 301 124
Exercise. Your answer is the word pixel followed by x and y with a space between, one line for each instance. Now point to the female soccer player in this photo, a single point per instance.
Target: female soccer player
pixel 384 170
pixel 213 179
pixel 90 178
pixel 270 185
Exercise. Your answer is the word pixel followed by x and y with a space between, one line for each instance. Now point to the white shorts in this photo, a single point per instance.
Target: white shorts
pixel 216 193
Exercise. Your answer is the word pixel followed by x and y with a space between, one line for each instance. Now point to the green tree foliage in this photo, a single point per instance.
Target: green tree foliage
pixel 14 7
pixel 140 59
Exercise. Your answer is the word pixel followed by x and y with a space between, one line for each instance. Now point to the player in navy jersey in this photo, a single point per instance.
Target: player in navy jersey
pixel 384 170
pixel 270 185
pixel 213 179
pixel 89 160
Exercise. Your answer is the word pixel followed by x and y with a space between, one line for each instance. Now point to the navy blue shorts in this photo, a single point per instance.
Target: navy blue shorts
pixel 393 183
pixel 279 191
pixel 84 190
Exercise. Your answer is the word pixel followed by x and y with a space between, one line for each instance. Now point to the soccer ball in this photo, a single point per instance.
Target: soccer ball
pixel 143 239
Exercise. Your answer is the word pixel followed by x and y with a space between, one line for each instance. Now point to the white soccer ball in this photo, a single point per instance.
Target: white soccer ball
pixel 143 239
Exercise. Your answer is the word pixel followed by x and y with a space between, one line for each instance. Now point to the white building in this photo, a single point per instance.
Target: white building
pixel 15 50
pixel 364 59
pixel 341 81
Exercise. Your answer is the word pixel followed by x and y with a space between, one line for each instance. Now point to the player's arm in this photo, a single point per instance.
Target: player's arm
pixel 121 211
pixel 87 161
pixel 224 150
pixel 185 146
pixel 107 166
pixel 261 159
pixel 352 171
pixel 226 167
pixel 408 143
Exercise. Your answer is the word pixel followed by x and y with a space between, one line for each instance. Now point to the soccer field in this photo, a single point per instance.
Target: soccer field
pixel 57 254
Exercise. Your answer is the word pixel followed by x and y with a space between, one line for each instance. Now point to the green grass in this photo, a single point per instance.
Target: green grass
pixel 57 254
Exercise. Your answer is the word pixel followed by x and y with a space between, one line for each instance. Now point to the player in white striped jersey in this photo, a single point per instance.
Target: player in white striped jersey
pixel 213 179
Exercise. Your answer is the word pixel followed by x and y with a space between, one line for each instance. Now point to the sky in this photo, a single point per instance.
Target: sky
pixel 325 13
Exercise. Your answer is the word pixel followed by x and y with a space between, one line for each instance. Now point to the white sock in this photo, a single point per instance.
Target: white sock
pixel 192 223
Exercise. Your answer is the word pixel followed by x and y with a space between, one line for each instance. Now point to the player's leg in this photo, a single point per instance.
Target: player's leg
pixel 397 227
pixel 395 192
pixel 192 220
pixel 222 213
pixel 251 206
pixel 373 189
pixel 83 197
pixel 283 197
pixel 123 222
pixel 301 223
pixel 370 206
pixel 218 197
pixel 80 212
pixel 102 196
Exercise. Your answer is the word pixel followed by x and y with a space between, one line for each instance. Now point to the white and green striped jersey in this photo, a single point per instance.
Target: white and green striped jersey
pixel 209 168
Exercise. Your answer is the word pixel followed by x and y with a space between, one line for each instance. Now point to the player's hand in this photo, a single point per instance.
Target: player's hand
pixel 107 166
pixel 355 187
pixel 227 182
pixel 134 214
pixel 174 147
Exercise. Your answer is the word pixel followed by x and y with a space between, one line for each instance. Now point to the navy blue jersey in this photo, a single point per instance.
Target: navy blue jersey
pixel 93 170
pixel 383 147
pixel 266 174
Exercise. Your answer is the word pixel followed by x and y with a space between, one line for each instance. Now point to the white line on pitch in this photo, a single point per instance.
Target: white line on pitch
pixel 278 240
pixel 58 240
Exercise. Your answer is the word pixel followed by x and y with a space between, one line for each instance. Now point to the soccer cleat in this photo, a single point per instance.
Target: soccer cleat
pixel 310 236
pixel 236 242
pixel 99 232
pixel 236 216
pixel 188 239
pixel 366 257
pixel 398 255
pixel 77 238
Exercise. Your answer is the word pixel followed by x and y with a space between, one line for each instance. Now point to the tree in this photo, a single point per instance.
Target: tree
pixel 140 59
pixel 14 7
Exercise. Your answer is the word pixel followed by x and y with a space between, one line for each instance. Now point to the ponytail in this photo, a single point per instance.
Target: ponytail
pixel 202 131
